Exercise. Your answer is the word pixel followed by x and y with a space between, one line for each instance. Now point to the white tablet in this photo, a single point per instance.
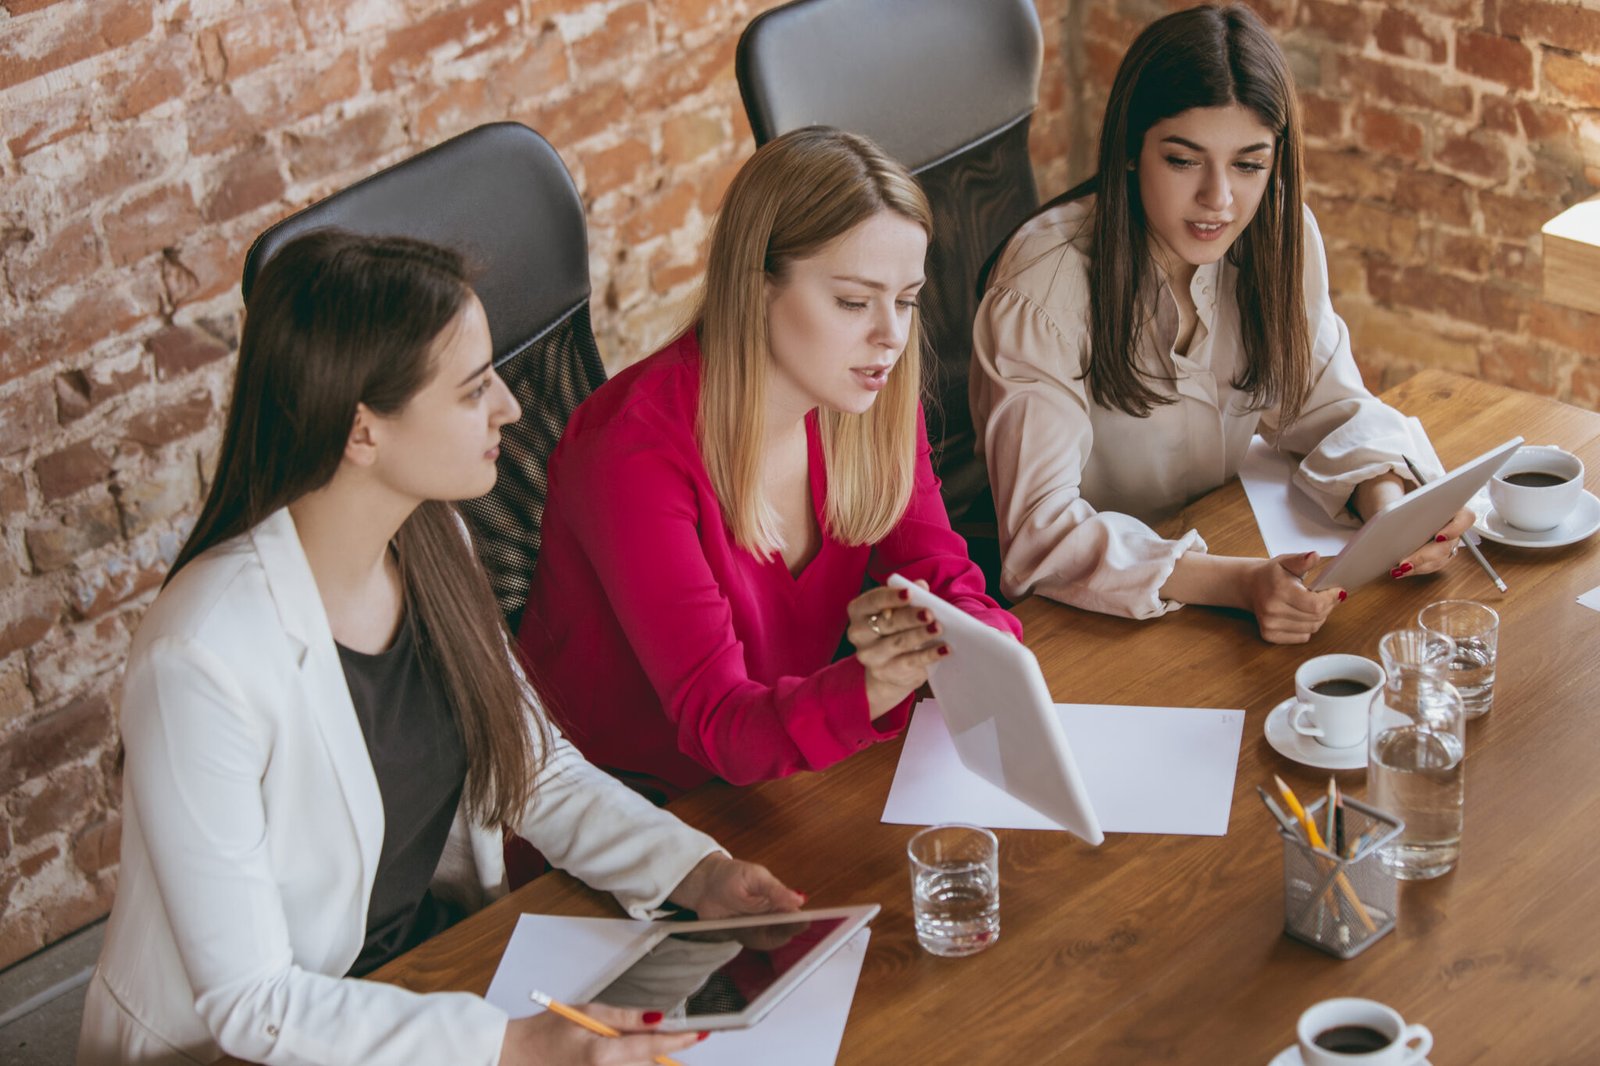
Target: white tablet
pixel 1410 522
pixel 728 973
pixel 1000 715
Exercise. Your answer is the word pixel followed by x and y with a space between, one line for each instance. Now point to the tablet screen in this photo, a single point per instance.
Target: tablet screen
pixel 715 972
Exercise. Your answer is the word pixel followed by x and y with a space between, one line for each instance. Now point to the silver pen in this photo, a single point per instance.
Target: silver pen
pixel 1466 538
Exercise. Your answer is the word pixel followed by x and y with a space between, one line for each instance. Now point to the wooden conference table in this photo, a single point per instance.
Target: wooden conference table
pixel 1170 948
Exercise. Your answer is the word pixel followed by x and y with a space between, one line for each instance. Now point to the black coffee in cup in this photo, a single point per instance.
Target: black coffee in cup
pixel 1536 479
pixel 1352 1039
pixel 1340 686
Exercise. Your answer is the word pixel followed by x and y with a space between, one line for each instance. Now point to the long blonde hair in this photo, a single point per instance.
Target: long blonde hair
pixel 796 194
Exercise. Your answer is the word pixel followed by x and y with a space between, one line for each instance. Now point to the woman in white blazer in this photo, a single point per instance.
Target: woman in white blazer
pixel 325 658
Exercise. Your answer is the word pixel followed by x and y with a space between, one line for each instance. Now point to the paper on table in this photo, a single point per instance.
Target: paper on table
pixel 1290 522
pixel 1147 770
pixel 1288 519
pixel 1591 599
pixel 563 956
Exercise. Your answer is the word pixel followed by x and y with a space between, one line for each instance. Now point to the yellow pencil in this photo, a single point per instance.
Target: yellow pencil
pixel 572 1014
pixel 1315 839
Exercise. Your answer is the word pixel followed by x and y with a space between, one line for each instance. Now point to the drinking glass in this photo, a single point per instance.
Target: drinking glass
pixel 1475 629
pixel 955 888
pixel 1416 738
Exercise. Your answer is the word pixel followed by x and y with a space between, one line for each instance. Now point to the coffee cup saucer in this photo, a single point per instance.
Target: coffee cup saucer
pixel 1290 1056
pixel 1580 524
pixel 1305 750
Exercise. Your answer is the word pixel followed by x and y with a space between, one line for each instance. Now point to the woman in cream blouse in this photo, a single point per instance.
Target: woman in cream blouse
pixel 1139 330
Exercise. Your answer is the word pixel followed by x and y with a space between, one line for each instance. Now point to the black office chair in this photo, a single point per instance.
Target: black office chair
pixel 501 195
pixel 948 88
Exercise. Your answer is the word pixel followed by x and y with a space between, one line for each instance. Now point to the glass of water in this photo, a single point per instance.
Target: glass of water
pixel 1416 743
pixel 1475 629
pixel 955 888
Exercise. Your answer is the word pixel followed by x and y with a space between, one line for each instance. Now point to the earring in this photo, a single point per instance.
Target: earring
pixel 1133 165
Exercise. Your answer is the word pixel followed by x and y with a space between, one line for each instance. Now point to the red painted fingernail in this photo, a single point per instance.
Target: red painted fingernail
pixel 933 627
pixel 1342 595
pixel 924 616
pixel 653 1017
pixel 1441 538
pixel 703 1034
pixel 1396 572
pixel 944 649
pixel 905 594
pixel 1405 568
pixel 803 896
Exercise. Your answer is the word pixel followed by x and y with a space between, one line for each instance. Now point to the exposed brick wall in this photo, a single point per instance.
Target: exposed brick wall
pixel 1441 135
pixel 143 144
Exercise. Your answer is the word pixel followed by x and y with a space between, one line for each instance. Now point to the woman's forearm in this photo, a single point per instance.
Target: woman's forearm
pixel 1213 580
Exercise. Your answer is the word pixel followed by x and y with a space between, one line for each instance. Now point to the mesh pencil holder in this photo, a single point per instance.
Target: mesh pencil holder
pixel 1341 905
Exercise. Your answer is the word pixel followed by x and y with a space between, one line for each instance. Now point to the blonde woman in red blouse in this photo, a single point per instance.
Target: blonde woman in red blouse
pixel 715 510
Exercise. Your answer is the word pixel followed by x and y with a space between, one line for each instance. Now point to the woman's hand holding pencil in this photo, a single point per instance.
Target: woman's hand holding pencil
pixel 596 1035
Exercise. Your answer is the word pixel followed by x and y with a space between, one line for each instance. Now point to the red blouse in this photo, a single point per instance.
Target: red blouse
pixel 667 651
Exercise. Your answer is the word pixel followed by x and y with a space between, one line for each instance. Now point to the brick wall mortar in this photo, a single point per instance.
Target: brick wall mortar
pixel 143 145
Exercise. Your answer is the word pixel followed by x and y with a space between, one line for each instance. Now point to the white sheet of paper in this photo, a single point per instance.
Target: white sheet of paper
pixel 1591 599
pixel 563 956
pixel 1147 770
pixel 1289 521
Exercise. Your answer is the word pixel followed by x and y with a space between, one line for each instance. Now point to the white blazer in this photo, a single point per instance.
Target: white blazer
pixel 251 830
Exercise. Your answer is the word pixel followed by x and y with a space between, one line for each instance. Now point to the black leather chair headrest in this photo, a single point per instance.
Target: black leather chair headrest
pixel 500 195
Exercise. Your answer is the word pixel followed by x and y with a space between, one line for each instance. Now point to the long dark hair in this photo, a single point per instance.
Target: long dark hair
pixel 334 320
pixel 1208 56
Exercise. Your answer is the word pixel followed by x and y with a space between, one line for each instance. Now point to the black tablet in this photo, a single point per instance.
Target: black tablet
pixel 726 974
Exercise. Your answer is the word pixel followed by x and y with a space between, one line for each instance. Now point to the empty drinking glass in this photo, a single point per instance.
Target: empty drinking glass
pixel 1475 629
pixel 955 888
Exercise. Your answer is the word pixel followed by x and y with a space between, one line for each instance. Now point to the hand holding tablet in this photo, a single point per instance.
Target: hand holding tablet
pixel 1414 519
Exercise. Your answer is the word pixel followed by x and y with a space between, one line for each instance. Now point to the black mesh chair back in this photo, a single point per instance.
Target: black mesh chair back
pixel 947 87
pixel 500 195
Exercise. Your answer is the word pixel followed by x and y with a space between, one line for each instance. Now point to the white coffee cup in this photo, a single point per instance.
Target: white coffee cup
pixel 1537 507
pixel 1406 1044
pixel 1335 719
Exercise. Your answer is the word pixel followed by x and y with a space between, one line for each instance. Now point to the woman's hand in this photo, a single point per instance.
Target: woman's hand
pixel 1433 555
pixel 1271 589
pixel 720 887
pixel 1371 496
pixel 1286 611
pixel 548 1039
pixel 895 642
